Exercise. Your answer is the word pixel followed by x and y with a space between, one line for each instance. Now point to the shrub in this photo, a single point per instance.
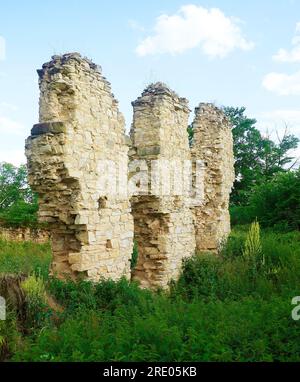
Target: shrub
pixel 134 257
pixel 9 336
pixel 20 214
pixel 277 202
pixel 104 296
pixel 34 288
pixel 252 251
pixel 248 330
pixel 241 215
pixel 200 277
pixel 37 310
pixel 219 310
pixel 18 204
pixel 235 243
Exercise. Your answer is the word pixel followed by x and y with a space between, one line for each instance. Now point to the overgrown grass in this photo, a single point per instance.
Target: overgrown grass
pixel 221 309
pixel 24 257
pixel 248 330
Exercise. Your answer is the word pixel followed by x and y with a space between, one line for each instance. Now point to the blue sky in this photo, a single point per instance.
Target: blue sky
pixel 224 51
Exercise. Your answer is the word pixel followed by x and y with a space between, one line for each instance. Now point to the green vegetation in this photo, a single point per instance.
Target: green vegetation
pixel 134 257
pixel 18 204
pixel 235 306
pixel 275 203
pixel 267 183
pixel 257 158
pixel 221 309
pixel 25 257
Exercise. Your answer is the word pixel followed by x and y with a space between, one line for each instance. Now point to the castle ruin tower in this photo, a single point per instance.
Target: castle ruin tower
pixel 213 145
pixel 78 146
pixel 163 221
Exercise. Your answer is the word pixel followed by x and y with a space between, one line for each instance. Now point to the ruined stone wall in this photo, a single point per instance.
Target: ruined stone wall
pixel 214 146
pixel 80 127
pixel 163 221
pixel 35 235
pixel 79 147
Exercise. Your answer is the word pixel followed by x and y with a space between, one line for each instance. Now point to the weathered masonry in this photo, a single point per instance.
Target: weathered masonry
pixel 213 145
pixel 163 223
pixel 80 163
pixel 80 125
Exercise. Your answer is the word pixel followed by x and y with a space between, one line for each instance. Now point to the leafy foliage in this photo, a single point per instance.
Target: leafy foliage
pixel 18 204
pixel 20 214
pixel 190 131
pixel 10 338
pixel 252 252
pixel 277 202
pixel 13 185
pixel 250 330
pixel 25 257
pixel 134 257
pixel 257 158
pixel 219 310
pixel 37 311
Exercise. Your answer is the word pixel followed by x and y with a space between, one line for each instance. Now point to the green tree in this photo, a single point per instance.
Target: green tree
pixel 190 131
pixel 18 204
pixel 277 201
pixel 257 158
pixel 275 157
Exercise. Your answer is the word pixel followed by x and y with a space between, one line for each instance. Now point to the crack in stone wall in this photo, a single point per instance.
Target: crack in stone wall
pixel 80 126
pixel 213 145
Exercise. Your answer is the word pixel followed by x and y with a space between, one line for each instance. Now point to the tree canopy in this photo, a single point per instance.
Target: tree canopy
pixel 18 204
pixel 257 158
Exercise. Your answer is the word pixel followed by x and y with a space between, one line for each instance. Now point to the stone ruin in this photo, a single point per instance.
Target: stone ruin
pixel 213 145
pixel 80 124
pixel 163 221
pixel 80 146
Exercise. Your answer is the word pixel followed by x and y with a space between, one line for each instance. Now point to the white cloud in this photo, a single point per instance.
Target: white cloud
pixel 195 26
pixel 15 157
pixel 2 48
pixel 293 55
pixel 282 83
